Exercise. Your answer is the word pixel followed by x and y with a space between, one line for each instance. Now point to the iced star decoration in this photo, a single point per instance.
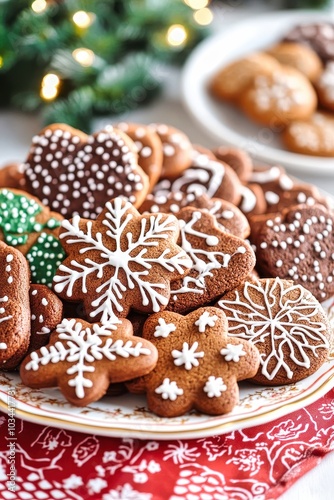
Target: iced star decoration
pixel 214 387
pixel 190 372
pixel 282 317
pixel 121 259
pixel 233 352
pixel 187 356
pixel 205 320
pixel 164 329
pixel 83 359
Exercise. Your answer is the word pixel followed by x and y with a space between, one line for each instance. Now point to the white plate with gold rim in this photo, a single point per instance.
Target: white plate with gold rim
pixel 224 122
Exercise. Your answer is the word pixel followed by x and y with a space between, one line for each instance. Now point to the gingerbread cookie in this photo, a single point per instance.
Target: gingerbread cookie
pixel 46 312
pixel 82 359
pixel 311 137
pixel 298 56
pixel 252 201
pixel 220 261
pixel 319 36
pixel 198 365
pixel 237 159
pixel 280 98
pixel 285 322
pixel 231 81
pixel 12 176
pixel 149 149
pixel 325 87
pixel 205 176
pixel 298 244
pixel 176 148
pixel 74 173
pixel 28 225
pixel 14 307
pixel 120 261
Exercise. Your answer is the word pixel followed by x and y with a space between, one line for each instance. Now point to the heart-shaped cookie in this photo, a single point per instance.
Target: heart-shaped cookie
pixel 73 173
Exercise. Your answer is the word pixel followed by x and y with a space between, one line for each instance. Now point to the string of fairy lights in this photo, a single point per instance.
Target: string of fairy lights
pixel 176 37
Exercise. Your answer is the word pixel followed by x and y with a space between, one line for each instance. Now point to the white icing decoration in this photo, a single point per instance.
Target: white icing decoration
pixel 205 320
pixel 264 176
pixel 271 197
pixel 214 387
pixel 248 201
pixel 3 345
pixel 164 329
pixel 204 261
pixel 233 352
pixel 284 324
pixel 169 390
pixel 116 259
pixel 4 300
pixel 81 348
pixel 188 356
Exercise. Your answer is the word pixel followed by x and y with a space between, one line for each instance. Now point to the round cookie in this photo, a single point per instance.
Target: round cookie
pixel 319 36
pixel 14 307
pixel 29 226
pixel 121 260
pixel 311 137
pixel 232 80
pixel 285 322
pixel 237 159
pixel 149 149
pixel 298 56
pixel 83 359
pixel 73 173
pixel 220 261
pixel 205 176
pixel 325 87
pixel 12 176
pixel 278 99
pixel 198 365
pixel 298 244
pixel 176 147
pixel 46 313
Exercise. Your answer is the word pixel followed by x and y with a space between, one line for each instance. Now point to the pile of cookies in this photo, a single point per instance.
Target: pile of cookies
pixel 288 87
pixel 133 260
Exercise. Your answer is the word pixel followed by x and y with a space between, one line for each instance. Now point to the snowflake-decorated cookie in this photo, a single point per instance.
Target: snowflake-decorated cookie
pixel 14 307
pixel 198 365
pixel 149 148
pixel 120 261
pixel 28 225
pixel 229 217
pixel 298 244
pixel 176 147
pixel 74 173
pixel 220 261
pixel 82 359
pixel 285 322
pixel 214 178
pixel 46 312
pixel 280 98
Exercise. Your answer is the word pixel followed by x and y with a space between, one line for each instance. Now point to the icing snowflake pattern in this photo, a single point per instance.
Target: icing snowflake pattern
pixel 205 320
pixel 289 322
pixel 83 347
pixel 188 356
pixel 214 387
pixel 233 352
pixel 169 390
pixel 163 329
pixel 126 262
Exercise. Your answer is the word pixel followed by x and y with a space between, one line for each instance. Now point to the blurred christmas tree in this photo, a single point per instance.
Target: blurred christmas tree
pixel 74 59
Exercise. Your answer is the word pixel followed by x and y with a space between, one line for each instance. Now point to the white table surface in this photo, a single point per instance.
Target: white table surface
pixel 16 131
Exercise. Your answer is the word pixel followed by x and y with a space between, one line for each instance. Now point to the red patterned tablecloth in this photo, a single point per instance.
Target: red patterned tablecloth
pixel 258 463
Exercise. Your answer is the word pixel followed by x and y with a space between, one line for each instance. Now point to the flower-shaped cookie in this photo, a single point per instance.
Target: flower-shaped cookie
pixel 120 261
pixel 14 306
pixel 74 173
pixel 198 365
pixel 285 322
pixel 82 359
pixel 220 261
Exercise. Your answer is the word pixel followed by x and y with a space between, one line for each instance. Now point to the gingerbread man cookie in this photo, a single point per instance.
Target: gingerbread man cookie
pixel 285 322
pixel 82 359
pixel 74 173
pixel 198 365
pixel 120 261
